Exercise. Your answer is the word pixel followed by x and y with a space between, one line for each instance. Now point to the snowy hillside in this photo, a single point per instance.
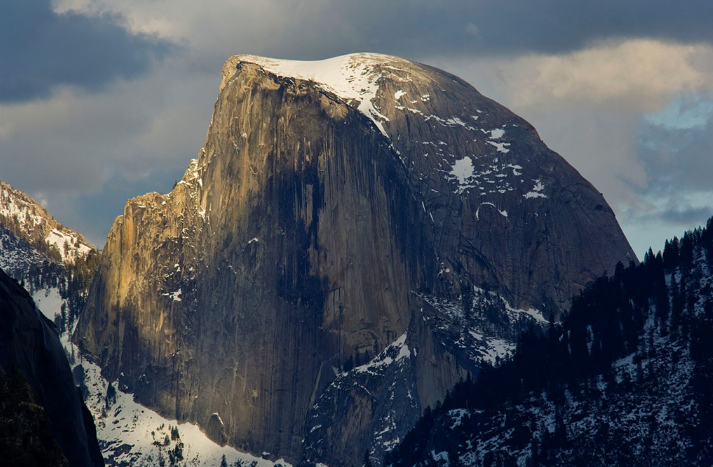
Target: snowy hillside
pixel 27 219
pixel 52 262
pixel 625 380
pixel 351 77
pixel 17 256
pixel 130 434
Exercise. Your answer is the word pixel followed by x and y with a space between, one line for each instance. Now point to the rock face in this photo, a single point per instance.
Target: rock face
pixel 29 342
pixel 332 203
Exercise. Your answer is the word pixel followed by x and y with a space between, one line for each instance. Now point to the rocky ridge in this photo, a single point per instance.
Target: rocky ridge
pixel 512 192
pixel 337 212
pixel 27 219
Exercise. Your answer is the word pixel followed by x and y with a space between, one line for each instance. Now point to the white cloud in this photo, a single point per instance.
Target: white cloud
pixel 644 73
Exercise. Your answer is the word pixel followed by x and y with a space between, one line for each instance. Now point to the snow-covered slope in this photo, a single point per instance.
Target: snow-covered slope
pixel 27 219
pixel 17 256
pixel 625 380
pixel 480 328
pixel 131 435
pixel 52 262
pixel 483 325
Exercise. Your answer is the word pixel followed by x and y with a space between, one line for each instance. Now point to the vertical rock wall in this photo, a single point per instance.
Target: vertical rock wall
pixel 304 237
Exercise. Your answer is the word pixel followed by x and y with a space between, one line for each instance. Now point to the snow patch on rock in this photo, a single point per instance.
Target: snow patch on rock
pixel 536 191
pixel 395 352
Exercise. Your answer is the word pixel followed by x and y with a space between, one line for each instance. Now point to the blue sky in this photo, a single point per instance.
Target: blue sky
pixel 102 100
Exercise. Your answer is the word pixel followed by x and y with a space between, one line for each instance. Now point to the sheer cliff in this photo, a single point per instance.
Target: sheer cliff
pixel 362 206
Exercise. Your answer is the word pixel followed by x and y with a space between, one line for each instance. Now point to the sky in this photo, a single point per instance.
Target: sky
pixel 101 100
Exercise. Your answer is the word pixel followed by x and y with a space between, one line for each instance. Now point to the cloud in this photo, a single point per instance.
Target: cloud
pixel 688 216
pixel 675 148
pixel 87 153
pixel 676 157
pixel 588 104
pixel 564 26
pixel 491 27
pixel 582 72
pixel 132 128
pixel 691 110
pixel 43 50
pixel 641 73
pixel 314 29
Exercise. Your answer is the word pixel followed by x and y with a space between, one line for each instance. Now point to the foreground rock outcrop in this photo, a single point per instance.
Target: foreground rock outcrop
pixel 29 344
pixel 339 211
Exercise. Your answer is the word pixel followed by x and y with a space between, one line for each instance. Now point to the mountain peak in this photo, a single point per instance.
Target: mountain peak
pixel 352 77
pixel 335 206
pixel 341 75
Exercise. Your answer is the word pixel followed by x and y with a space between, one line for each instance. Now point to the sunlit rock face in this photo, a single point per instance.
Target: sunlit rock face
pixel 362 210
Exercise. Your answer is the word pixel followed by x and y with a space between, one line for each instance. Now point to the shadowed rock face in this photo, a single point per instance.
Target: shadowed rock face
pixel 29 342
pixel 309 229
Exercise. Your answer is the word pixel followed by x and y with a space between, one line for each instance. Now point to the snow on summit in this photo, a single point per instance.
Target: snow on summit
pixel 351 77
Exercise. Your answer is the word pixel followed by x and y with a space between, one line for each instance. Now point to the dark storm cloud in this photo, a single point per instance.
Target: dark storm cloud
pixel 41 50
pixel 488 27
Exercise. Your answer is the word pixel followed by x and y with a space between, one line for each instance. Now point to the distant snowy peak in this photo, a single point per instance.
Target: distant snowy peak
pixel 27 219
pixel 19 208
